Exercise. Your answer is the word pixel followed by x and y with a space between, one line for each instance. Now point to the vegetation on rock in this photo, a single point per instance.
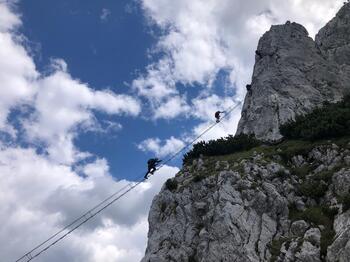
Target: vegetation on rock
pixel 328 121
pixel 171 184
pixel 222 146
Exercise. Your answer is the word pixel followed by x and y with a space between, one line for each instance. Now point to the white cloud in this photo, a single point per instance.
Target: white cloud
pixel 200 39
pixel 205 107
pixel 62 104
pixel 173 107
pixel 8 20
pixel 155 145
pixel 40 197
pixel 105 13
pixel 42 192
pixel 59 103
pixel 17 70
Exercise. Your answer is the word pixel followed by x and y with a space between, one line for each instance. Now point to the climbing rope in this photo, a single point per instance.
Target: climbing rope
pixel 61 234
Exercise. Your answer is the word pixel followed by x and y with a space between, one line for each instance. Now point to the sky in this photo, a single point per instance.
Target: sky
pixel 89 90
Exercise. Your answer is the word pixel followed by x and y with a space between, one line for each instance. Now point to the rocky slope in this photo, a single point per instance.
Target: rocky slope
pixel 273 203
pixel 293 74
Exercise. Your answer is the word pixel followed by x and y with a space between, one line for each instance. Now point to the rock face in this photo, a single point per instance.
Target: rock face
pixel 293 74
pixel 266 206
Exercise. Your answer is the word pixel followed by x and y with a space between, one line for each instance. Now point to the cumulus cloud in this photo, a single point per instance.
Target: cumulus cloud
pixel 62 104
pixel 43 187
pixel 8 20
pixel 105 13
pixel 34 205
pixel 198 40
pixel 17 70
pixel 159 148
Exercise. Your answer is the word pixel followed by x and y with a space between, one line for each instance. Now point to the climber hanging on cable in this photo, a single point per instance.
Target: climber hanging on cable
pixel 217 115
pixel 152 166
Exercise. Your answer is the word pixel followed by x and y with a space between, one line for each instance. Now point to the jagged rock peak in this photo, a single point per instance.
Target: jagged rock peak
pixel 334 38
pixel 293 74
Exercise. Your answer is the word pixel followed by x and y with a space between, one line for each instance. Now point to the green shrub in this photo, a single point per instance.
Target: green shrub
pixel 301 171
pixel 330 212
pixel 281 173
pixel 171 184
pixel 293 148
pixel 275 248
pixel 314 188
pixel 198 178
pixel 327 236
pixel 221 146
pixel 329 121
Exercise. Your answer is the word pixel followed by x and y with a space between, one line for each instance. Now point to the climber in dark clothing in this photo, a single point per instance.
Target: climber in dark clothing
pixel 217 115
pixel 249 88
pixel 152 166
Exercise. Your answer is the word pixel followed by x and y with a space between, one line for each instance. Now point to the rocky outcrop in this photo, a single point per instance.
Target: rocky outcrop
pixel 294 74
pixel 267 205
pixel 334 38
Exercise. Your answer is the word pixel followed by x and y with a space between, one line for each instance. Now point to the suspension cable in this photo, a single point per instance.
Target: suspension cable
pixel 91 213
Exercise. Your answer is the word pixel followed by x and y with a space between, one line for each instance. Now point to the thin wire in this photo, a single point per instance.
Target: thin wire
pixel 227 112
pixel 86 220
pixel 131 186
pixel 73 222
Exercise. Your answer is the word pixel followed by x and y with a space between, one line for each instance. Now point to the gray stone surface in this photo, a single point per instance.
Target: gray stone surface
pixel 239 212
pixel 294 74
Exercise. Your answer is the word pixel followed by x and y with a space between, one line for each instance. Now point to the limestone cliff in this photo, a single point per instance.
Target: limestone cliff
pixel 293 74
pixel 273 203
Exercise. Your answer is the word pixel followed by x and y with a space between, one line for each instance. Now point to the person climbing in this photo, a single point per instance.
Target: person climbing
pixel 152 166
pixel 217 115
pixel 249 88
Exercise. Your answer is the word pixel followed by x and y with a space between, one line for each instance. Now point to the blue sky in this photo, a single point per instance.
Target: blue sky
pixel 106 44
pixel 89 90
pixel 105 53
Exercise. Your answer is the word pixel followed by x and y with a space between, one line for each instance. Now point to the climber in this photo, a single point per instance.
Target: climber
pixel 249 88
pixel 152 166
pixel 217 115
pixel 258 53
